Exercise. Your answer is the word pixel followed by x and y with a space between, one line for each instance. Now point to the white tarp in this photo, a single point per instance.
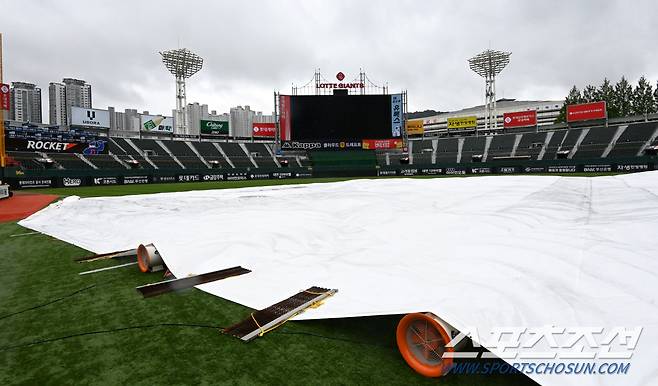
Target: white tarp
pixel 479 252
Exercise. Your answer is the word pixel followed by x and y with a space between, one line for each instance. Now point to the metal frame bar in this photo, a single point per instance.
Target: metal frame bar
pixel 288 315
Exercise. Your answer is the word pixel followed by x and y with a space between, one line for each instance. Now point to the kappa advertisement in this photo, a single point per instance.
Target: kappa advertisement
pixel 321 145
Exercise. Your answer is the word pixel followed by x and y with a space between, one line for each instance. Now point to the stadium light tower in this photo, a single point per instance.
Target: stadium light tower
pixel 488 64
pixel 182 63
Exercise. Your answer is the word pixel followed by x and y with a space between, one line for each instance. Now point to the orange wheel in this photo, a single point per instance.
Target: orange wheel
pixel 142 258
pixel 421 341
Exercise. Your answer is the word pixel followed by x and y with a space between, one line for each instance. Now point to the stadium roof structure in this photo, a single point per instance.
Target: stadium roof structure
pixel 484 253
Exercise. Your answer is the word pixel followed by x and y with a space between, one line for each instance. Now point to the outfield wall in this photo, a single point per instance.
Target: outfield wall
pixel 73 178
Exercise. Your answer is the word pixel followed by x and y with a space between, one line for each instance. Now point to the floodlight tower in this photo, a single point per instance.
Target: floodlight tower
pixel 182 63
pixel 488 64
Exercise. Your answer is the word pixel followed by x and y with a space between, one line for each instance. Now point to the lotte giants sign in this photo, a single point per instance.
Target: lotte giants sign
pixel 340 76
pixel 4 97
pixel 520 119
pixel 586 111
pixel 263 129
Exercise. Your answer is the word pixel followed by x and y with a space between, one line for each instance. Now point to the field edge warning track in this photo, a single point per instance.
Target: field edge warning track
pixel 20 206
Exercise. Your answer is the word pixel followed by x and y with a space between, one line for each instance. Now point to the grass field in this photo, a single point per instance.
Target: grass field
pixel 57 327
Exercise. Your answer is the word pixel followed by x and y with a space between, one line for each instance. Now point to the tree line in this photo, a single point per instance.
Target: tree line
pixel 622 99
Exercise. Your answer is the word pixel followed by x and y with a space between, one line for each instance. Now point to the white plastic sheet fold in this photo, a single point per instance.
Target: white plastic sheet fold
pixel 479 252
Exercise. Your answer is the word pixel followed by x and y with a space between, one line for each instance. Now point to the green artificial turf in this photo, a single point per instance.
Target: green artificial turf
pixel 37 269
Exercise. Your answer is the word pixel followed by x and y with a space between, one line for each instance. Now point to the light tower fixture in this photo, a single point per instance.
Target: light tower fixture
pixel 182 63
pixel 488 64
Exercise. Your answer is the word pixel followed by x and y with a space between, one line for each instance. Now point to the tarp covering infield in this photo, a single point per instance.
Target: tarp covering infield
pixel 526 251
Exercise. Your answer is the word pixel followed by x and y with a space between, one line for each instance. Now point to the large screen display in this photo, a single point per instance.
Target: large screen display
pixel 342 117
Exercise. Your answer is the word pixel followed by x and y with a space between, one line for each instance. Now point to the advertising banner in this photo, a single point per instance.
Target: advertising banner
pixel 408 172
pixel 37 182
pixel 415 127
pixel 284 117
pixel 282 175
pixel 534 169
pixel 163 179
pixel 586 111
pixel 259 176
pixel 135 180
pixel 263 129
pixel 632 167
pixel 236 176
pixel 597 168
pixel 376 144
pixel 5 103
pixel 520 119
pixel 71 182
pixel 189 178
pixel 396 115
pixel 561 169
pixel 105 181
pixel 321 145
pixel 431 171
pixel 213 177
pixel 481 170
pixel 462 122
pixel 157 123
pixel 55 146
pixel 214 127
pixel 389 172
pixel 81 116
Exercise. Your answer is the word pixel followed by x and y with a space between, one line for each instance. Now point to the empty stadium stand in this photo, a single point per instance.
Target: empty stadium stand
pixel 571 139
pixel 127 153
pixel 613 145
pixel 501 146
pixel 422 152
pixel 632 139
pixel 236 154
pixel 472 146
pixel 185 154
pixel 530 145
pixel 554 144
pixel 595 142
pixel 27 160
pixel 210 153
pixel 447 150
pixel 104 161
pixel 260 154
pixel 69 161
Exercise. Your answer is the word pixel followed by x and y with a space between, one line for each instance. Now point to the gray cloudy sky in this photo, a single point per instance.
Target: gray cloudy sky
pixel 252 47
